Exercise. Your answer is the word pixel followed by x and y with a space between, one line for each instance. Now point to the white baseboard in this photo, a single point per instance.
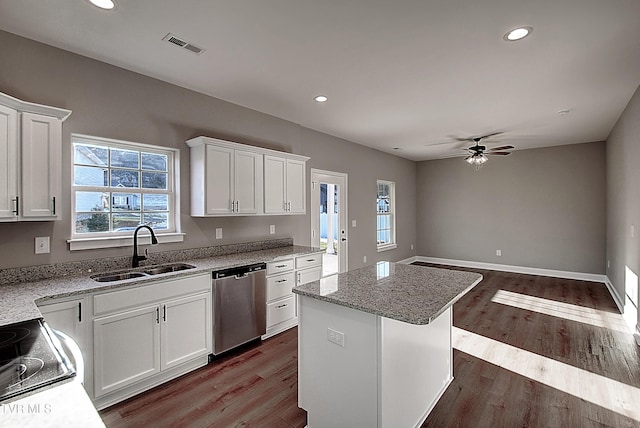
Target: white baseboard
pixel 614 294
pixel 515 269
pixel 408 261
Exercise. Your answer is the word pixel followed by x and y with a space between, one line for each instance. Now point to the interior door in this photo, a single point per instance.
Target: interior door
pixel 329 219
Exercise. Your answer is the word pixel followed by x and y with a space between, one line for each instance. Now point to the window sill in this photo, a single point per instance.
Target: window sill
pixel 121 241
pixel 387 247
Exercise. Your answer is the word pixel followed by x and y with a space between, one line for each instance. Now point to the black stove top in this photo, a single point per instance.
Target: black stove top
pixel 29 359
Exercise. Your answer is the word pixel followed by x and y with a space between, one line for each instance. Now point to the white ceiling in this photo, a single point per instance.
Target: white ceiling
pixel 398 73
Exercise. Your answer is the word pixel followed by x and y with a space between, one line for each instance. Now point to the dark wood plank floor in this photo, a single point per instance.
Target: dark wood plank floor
pixel 257 385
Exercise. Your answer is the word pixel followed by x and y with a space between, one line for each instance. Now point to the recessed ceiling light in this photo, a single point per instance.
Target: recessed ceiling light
pixel 517 34
pixel 321 99
pixel 104 4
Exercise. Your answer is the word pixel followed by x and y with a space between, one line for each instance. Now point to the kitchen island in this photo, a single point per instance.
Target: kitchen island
pixel 374 344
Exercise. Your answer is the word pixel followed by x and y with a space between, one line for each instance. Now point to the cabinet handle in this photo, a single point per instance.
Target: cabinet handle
pixel 289 206
pixel 281 266
pixel 157 315
pixel 79 311
pixel 311 260
pixel 299 277
pixel 237 206
pixel 54 205
pixel 17 201
pixel 164 313
pixel 281 280
pixel 282 306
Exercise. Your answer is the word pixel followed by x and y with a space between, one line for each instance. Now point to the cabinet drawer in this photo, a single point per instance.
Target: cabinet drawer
pixel 280 311
pixel 280 285
pixel 308 261
pixel 308 275
pixel 149 293
pixel 274 268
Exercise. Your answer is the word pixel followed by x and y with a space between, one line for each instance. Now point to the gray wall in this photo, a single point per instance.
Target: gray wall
pixel 623 195
pixel 111 102
pixel 543 208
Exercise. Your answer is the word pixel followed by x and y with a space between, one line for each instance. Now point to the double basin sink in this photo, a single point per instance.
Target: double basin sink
pixel 150 271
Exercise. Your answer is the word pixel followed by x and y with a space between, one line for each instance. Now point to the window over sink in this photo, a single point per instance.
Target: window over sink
pixel 119 185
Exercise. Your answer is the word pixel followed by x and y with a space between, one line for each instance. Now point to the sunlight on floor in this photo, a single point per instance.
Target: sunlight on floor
pixel 599 390
pixel 567 311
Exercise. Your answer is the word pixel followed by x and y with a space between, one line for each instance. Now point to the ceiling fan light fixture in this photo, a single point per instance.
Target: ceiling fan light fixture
pixel 517 34
pixel 104 4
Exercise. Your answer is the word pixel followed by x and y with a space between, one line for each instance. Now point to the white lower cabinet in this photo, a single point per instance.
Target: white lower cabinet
pixel 69 315
pixel 127 348
pixel 185 332
pixel 282 276
pixel 149 334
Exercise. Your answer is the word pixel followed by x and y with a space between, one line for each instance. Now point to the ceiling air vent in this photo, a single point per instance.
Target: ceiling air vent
pixel 175 40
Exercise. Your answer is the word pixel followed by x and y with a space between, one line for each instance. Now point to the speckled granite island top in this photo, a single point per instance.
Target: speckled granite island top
pixel 18 301
pixel 412 294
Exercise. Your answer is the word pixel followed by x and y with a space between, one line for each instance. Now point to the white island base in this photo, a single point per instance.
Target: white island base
pixel 388 374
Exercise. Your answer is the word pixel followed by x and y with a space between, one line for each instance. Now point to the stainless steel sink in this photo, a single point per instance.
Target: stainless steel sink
pixel 175 267
pixel 153 270
pixel 111 277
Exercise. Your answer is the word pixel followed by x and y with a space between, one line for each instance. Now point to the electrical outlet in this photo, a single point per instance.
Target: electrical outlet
pixel 272 229
pixel 364 259
pixel 336 337
pixel 498 252
pixel 608 264
pixel 42 245
pixel 353 223
pixel 412 246
pixel 218 233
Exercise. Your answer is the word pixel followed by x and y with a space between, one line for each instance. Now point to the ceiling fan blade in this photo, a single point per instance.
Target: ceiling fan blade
pixel 497 153
pixel 493 134
pixel 502 148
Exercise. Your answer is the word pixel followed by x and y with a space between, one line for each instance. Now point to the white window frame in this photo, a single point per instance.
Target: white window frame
pixel 392 212
pixel 86 241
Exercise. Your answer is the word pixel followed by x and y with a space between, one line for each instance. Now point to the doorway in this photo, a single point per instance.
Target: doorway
pixel 329 219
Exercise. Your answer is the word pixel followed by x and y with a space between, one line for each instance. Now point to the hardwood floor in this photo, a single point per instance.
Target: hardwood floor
pixel 530 352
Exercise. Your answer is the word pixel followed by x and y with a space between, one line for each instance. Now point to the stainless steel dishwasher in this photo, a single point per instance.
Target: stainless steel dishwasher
pixel 239 306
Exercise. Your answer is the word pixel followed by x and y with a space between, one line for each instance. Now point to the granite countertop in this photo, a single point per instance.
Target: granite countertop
pixel 18 301
pixel 412 294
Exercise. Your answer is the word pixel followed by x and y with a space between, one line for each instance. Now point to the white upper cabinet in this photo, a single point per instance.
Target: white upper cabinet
pixel 284 185
pixel 30 160
pixel 229 179
pixel 225 180
pixel 8 163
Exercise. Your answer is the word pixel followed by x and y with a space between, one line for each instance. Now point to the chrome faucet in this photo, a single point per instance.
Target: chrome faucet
pixel 135 262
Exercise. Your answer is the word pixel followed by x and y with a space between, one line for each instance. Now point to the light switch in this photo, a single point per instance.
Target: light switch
pixel 218 233
pixel 353 223
pixel 42 245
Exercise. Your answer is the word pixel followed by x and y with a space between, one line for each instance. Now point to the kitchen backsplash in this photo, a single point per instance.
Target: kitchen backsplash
pixel 35 273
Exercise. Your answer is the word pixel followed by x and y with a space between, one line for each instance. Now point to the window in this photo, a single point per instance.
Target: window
pixel 386 221
pixel 117 186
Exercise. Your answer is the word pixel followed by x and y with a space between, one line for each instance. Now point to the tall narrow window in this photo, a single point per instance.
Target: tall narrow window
pixel 386 221
pixel 118 186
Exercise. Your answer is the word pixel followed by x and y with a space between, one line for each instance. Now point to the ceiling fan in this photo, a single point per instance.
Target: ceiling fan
pixel 477 154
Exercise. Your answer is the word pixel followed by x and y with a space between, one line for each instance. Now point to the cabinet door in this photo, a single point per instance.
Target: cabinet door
pixel 274 184
pixel 41 167
pixel 8 164
pixel 248 182
pixel 126 348
pixel 67 317
pixel 295 185
pixel 186 329
pixel 219 172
